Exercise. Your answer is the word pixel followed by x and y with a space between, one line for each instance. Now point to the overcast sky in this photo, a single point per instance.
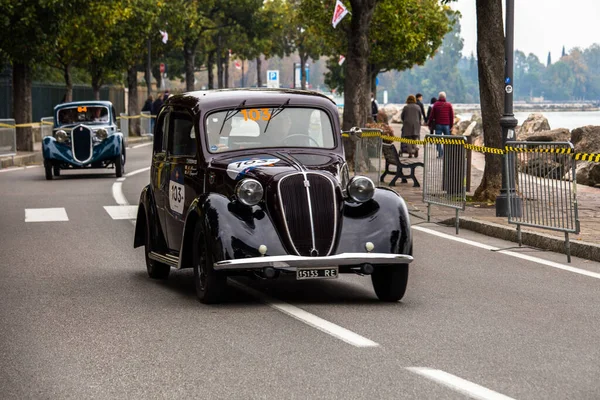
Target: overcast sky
pixel 541 25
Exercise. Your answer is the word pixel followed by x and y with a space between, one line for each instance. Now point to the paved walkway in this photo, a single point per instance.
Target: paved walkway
pixel 588 202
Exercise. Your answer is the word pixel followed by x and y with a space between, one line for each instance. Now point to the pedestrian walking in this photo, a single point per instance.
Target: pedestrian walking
pixel 411 124
pixel 374 107
pixel 419 98
pixel 443 118
pixel 428 118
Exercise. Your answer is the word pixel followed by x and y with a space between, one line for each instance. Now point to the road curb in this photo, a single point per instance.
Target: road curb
pixel 585 250
pixel 21 160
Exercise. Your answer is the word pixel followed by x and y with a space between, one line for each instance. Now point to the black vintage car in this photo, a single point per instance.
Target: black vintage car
pixel 254 182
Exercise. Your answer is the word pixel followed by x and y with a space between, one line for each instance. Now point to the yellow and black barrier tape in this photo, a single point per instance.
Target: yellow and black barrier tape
pixel 590 157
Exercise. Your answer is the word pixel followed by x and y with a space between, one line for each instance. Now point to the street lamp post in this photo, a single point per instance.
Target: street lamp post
pixel 508 122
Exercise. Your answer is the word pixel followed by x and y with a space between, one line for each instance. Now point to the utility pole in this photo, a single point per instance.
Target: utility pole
pixel 508 123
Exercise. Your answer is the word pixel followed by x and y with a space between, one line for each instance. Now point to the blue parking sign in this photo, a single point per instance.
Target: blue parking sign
pixel 273 78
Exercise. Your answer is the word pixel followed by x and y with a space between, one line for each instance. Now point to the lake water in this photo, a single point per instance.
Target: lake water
pixel 558 119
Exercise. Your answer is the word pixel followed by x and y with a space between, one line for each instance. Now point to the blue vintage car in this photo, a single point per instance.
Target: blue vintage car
pixel 84 135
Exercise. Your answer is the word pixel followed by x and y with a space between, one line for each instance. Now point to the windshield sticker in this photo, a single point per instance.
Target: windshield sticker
pixel 176 190
pixel 240 168
pixel 256 115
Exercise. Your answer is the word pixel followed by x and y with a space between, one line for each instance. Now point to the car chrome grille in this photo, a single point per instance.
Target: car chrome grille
pixel 297 204
pixel 82 143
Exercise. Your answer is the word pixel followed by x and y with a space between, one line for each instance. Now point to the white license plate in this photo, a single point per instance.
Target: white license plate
pixel 317 273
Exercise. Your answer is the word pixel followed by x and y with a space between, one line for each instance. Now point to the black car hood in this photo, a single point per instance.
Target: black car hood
pixel 267 165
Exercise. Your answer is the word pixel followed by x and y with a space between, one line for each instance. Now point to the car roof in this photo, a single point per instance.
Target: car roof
pixel 208 99
pixel 84 103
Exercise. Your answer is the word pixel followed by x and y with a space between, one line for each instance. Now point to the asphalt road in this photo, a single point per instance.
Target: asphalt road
pixel 79 318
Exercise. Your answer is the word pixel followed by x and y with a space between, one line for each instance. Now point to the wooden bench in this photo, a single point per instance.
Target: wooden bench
pixel 391 158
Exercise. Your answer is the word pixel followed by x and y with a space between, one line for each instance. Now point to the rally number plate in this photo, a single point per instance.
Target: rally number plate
pixel 317 273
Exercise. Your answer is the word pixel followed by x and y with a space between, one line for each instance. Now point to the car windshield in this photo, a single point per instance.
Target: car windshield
pixel 264 127
pixel 83 114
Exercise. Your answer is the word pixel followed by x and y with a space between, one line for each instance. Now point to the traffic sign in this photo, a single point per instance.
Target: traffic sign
pixel 273 78
pixel 162 68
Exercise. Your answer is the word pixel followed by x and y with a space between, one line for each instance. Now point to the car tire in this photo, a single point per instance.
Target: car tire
pixel 390 281
pixel 48 170
pixel 156 270
pixel 56 170
pixel 119 165
pixel 210 285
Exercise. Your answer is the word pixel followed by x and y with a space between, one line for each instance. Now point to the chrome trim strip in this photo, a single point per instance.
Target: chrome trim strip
pixel 164 258
pixel 91 143
pixel 290 262
pixel 310 213
pixel 335 211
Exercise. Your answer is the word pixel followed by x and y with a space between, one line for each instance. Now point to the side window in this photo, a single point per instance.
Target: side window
pixel 160 137
pixel 182 135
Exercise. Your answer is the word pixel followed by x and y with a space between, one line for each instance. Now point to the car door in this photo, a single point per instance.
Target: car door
pixel 159 174
pixel 183 174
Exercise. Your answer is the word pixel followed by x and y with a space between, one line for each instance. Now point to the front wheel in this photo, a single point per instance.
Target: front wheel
pixel 390 281
pixel 56 170
pixel 48 170
pixel 119 165
pixel 210 284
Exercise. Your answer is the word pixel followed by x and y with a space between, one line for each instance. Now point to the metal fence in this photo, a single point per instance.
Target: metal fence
pixel 47 125
pixel 8 137
pixel 444 180
pixel 545 191
pixel 124 124
pixel 146 123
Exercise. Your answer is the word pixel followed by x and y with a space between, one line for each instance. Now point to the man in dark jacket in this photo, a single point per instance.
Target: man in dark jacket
pixel 419 97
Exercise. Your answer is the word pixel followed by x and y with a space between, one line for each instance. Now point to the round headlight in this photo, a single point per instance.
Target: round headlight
pixel 61 136
pixel 249 192
pixel 361 189
pixel 101 134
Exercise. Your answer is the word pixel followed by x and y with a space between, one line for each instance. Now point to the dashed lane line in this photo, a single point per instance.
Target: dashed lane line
pixel 137 146
pixel 137 171
pixel 45 215
pixel 310 319
pixel 510 253
pixel 463 386
pixel 122 212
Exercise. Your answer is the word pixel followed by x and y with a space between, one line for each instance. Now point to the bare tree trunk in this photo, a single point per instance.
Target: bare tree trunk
pixel 357 83
pixel 490 57
pixel 302 70
pixel 132 104
pixel 211 73
pixel 68 82
pixel 219 63
pixel 258 72
pixel 373 71
pixel 148 72
pixel 22 105
pixel 226 70
pixel 189 54
pixel 96 73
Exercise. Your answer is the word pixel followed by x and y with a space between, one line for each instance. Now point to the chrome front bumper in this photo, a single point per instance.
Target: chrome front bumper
pixel 290 263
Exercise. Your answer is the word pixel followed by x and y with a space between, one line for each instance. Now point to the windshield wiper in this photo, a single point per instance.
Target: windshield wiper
pixel 230 114
pixel 276 113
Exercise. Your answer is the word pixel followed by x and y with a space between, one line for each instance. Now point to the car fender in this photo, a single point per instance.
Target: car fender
pixel 146 214
pixel 232 230
pixel 383 221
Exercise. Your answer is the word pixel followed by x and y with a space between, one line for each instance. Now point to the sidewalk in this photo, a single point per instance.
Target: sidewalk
pixel 481 217
pixel 23 158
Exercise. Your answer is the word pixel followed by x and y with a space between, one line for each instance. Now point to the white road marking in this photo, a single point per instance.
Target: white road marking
pixel 309 319
pixel 117 192
pixel 122 212
pixel 137 171
pixel 460 385
pixel 45 214
pixel 511 253
pixel 141 145
pixel 18 168
pixel 121 179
